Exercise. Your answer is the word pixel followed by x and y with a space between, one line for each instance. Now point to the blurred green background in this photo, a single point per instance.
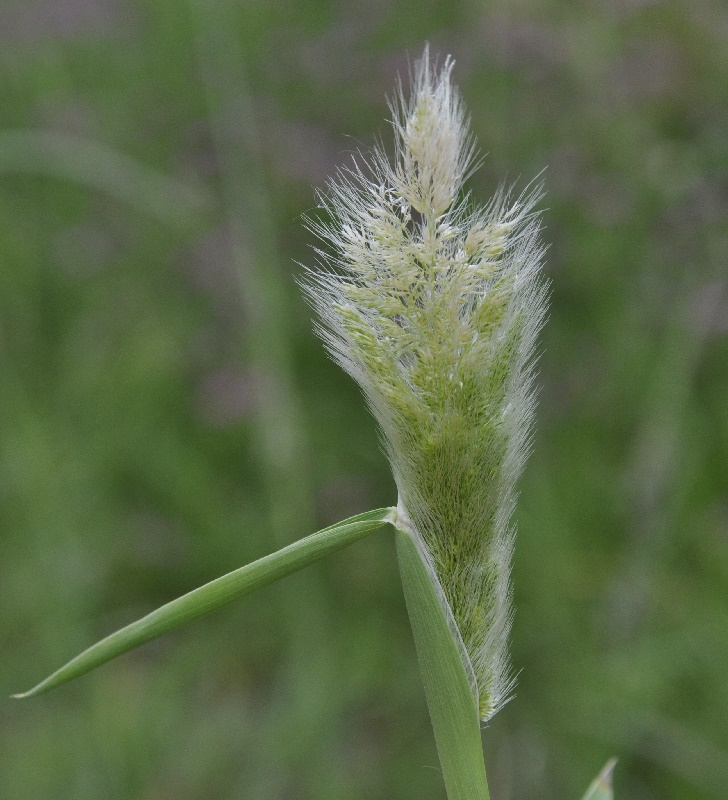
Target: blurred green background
pixel 166 413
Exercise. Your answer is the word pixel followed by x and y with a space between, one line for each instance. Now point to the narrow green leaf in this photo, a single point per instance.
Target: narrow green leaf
pixel 453 709
pixel 217 593
pixel 601 786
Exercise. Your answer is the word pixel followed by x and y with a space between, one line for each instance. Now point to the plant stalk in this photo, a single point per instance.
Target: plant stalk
pixel 453 709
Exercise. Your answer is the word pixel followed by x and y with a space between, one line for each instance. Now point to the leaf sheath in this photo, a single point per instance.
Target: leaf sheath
pixel 453 709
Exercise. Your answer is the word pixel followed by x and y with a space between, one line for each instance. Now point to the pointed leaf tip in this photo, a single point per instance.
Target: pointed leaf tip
pixel 605 776
pixel 601 787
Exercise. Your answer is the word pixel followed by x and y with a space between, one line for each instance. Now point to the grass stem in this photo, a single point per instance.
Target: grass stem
pixel 453 709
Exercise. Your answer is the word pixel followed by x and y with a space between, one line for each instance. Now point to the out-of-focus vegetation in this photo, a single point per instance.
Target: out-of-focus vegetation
pixel 166 413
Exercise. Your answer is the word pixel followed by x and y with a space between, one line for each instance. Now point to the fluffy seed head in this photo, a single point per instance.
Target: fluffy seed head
pixel 433 305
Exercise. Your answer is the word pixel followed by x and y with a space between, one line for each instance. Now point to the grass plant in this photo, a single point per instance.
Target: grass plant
pixel 433 305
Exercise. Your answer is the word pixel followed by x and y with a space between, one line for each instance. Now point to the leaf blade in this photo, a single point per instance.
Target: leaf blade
pixel 214 595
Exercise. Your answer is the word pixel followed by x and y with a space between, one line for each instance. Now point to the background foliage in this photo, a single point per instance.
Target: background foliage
pixel 166 414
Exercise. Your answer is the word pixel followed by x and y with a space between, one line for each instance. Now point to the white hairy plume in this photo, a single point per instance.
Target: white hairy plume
pixel 433 305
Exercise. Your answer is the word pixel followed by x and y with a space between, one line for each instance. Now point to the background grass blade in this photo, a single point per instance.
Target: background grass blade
pixel 99 167
pixel 453 709
pixel 601 786
pixel 215 594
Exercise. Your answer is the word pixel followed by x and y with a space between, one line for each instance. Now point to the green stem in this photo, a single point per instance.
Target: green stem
pixel 217 593
pixel 453 709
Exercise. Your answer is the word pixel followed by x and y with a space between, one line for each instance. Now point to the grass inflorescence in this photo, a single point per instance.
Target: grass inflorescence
pixel 433 305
